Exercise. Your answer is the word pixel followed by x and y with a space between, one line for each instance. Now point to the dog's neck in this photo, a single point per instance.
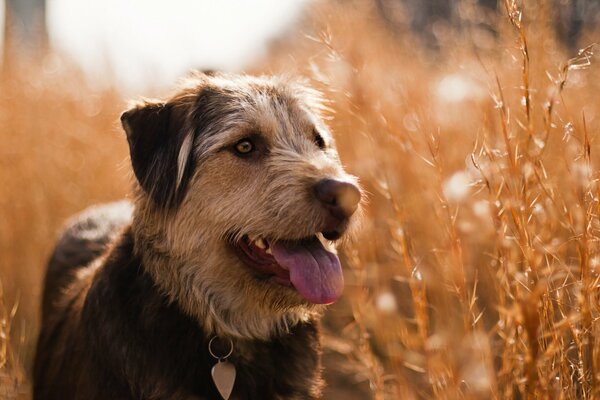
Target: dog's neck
pixel 218 308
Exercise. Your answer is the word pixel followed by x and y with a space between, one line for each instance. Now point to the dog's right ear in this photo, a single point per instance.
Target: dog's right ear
pixel 160 146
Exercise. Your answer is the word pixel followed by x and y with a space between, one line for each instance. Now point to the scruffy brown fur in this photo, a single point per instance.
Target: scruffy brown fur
pixel 132 295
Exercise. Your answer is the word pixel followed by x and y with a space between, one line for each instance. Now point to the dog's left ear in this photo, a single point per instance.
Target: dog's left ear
pixel 160 145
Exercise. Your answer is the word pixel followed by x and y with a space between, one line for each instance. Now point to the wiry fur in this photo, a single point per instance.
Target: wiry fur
pixel 194 198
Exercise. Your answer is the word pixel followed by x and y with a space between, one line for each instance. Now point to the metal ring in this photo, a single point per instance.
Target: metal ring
pixel 214 355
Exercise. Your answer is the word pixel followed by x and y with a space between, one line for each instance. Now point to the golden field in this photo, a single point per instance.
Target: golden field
pixel 476 273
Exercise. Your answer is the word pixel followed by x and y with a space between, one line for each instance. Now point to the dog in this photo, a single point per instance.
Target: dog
pixel 211 284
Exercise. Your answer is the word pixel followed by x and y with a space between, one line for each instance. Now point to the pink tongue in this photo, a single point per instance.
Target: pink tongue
pixel 315 272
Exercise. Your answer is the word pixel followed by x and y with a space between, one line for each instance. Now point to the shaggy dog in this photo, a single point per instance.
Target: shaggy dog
pixel 211 285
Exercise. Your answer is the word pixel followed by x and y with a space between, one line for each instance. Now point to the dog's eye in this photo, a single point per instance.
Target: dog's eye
pixel 319 141
pixel 244 147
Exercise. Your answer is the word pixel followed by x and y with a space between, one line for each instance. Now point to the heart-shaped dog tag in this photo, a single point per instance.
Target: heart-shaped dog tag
pixel 223 375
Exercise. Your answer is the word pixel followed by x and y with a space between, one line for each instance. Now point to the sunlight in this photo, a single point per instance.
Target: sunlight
pixel 148 41
pixel 2 9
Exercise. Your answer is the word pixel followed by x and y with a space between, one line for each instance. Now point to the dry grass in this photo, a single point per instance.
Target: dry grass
pixel 476 273
pixel 61 151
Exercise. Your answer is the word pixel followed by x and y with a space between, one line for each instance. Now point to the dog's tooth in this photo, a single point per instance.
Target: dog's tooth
pixel 260 243
pixel 268 251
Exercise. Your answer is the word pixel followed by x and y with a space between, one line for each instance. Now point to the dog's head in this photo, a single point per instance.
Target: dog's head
pixel 241 199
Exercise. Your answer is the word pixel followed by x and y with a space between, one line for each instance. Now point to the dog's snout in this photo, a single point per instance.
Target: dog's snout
pixel 340 198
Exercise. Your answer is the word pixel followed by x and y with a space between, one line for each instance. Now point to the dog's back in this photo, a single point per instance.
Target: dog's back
pixel 84 239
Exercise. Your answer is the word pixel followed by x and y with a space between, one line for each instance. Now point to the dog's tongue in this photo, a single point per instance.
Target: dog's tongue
pixel 315 272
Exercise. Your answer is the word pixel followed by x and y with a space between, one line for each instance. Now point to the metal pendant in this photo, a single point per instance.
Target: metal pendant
pixel 223 375
pixel 223 372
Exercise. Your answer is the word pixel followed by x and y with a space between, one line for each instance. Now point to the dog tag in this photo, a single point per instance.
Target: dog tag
pixel 223 375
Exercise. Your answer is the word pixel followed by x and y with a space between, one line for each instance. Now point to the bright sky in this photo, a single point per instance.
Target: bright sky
pixel 157 41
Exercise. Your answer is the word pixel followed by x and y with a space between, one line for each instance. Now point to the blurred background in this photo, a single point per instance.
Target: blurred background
pixel 472 124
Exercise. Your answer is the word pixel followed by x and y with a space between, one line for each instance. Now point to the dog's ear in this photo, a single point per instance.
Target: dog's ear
pixel 160 146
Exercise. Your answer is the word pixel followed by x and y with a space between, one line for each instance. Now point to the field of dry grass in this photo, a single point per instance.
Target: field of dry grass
pixel 476 274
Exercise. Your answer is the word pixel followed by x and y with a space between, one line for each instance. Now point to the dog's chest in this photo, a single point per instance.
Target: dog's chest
pixel 283 368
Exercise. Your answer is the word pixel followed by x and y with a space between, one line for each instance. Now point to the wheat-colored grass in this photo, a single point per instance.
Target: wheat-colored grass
pixel 476 272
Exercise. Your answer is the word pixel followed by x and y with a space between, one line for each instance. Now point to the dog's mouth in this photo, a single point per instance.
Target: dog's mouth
pixel 304 265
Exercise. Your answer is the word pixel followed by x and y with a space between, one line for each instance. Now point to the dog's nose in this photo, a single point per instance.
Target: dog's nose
pixel 340 198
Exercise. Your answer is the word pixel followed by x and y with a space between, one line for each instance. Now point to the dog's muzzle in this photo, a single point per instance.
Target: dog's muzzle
pixel 306 264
